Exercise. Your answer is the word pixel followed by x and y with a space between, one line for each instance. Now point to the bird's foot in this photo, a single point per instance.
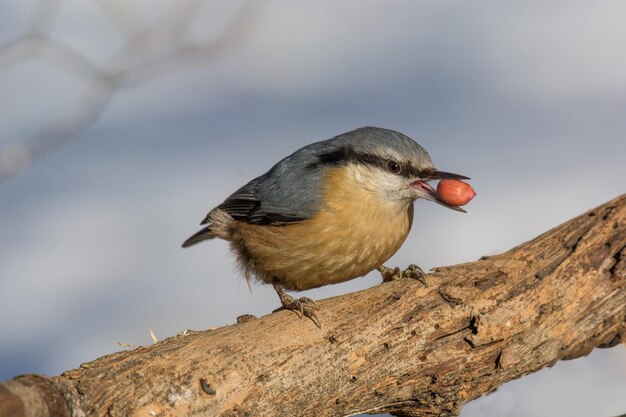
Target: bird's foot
pixel 303 306
pixel 412 272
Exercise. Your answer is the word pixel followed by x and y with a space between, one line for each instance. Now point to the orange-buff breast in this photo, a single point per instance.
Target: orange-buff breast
pixel 354 232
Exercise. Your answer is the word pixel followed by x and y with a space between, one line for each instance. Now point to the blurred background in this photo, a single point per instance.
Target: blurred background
pixel 123 122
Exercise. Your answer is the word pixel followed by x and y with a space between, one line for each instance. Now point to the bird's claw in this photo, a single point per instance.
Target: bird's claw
pixel 308 300
pixel 413 272
pixel 303 307
pixel 309 312
pixel 389 274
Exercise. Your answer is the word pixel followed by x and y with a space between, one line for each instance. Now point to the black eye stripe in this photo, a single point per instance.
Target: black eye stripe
pixel 346 154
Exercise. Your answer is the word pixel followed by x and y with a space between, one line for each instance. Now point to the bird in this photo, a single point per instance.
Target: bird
pixel 331 211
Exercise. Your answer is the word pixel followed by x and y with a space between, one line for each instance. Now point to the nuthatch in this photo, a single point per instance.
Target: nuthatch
pixel 332 211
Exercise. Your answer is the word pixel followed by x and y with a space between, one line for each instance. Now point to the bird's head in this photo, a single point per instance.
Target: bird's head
pixel 390 164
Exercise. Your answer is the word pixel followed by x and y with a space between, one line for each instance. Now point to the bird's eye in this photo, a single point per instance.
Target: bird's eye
pixel 393 167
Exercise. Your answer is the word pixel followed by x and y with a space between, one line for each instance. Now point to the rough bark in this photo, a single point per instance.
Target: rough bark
pixel 400 347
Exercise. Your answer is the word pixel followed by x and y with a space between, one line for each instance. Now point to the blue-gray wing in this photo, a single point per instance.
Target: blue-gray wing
pixel 248 205
pixel 289 192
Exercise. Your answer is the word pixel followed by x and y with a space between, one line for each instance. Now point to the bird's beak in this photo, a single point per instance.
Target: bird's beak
pixel 427 192
pixel 441 175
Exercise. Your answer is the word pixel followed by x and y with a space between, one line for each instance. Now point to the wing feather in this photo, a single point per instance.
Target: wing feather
pixel 247 205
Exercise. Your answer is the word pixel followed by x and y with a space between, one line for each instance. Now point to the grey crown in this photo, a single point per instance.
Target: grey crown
pixel 290 190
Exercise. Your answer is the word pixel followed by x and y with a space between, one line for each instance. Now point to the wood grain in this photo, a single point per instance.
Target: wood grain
pixel 400 347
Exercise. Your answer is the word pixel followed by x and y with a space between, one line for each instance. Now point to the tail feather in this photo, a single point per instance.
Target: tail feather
pixel 204 234
pixel 218 224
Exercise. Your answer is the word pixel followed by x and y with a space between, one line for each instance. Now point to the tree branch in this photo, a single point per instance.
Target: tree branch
pixel 400 347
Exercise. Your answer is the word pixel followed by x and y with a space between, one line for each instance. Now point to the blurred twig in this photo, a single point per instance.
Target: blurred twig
pixel 149 51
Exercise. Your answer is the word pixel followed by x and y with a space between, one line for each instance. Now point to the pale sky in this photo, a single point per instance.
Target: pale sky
pixel 526 98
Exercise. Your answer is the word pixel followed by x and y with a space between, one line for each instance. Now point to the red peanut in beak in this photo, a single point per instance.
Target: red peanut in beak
pixel 455 192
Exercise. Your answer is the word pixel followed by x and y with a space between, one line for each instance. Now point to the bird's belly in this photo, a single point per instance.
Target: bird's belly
pixel 342 242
